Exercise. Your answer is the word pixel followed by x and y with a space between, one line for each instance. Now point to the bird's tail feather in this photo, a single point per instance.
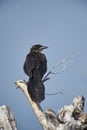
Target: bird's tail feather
pixel 36 88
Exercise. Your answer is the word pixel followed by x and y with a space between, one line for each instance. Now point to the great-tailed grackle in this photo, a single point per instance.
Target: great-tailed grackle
pixel 35 66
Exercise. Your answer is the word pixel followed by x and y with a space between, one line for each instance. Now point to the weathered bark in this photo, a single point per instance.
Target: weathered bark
pixel 7 120
pixel 36 107
pixel 70 117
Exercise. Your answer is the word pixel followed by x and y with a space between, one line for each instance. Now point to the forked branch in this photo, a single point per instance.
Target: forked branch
pixel 61 66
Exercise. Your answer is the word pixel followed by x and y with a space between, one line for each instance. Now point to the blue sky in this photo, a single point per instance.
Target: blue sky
pixel 62 26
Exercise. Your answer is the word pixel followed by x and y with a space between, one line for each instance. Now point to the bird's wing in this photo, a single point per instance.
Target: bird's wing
pixel 28 65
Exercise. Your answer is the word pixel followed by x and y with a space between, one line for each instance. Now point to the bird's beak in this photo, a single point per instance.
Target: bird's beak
pixel 43 47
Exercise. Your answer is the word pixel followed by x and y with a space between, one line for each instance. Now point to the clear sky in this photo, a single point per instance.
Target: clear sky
pixel 59 24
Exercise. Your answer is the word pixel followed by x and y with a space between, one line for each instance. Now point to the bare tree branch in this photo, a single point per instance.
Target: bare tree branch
pixel 36 107
pixel 61 64
pixel 59 92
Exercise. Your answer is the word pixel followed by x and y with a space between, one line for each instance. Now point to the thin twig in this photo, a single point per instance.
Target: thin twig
pixel 60 92
pixel 61 64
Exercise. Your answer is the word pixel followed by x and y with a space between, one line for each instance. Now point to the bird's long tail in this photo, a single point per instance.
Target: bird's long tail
pixel 36 87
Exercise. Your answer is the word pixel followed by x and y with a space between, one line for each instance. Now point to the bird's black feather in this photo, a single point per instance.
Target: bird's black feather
pixel 35 66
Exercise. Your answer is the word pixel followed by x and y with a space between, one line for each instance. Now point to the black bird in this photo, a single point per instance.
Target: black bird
pixel 35 66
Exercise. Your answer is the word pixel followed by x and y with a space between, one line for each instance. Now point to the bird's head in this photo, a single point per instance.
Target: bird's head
pixel 37 48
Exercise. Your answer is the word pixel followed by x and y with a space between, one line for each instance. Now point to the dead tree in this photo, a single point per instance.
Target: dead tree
pixel 70 117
